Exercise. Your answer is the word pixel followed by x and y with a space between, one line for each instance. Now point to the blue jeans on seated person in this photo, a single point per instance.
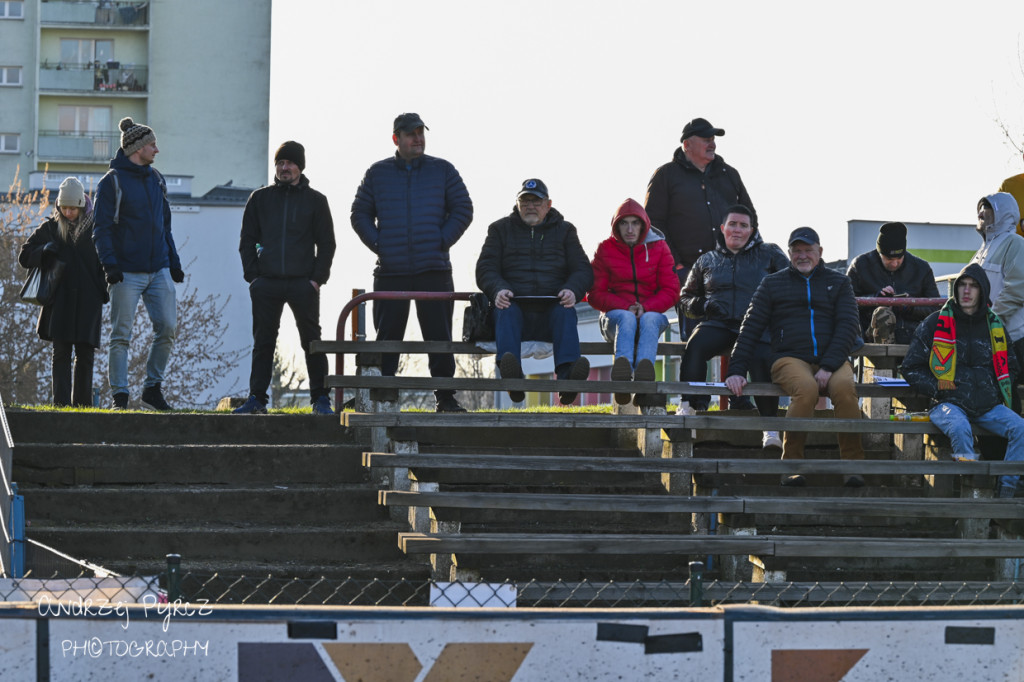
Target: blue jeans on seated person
pixel 1000 420
pixel 538 322
pixel 620 327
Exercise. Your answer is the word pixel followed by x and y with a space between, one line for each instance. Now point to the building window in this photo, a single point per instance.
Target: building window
pixel 12 9
pixel 74 119
pixel 9 143
pixel 10 75
pixel 86 51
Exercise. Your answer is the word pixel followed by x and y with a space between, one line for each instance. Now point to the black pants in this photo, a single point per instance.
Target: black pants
pixel 60 369
pixel 705 343
pixel 269 297
pixel 435 317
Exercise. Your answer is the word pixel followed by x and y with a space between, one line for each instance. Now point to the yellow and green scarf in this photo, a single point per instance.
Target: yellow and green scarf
pixel 943 356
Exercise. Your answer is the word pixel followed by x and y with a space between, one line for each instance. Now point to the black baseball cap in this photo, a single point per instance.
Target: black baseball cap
pixel 407 122
pixel 700 127
pixel 805 235
pixel 535 187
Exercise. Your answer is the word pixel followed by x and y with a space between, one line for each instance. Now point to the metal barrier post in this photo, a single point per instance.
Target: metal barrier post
pixel 696 583
pixel 173 577
pixel 17 533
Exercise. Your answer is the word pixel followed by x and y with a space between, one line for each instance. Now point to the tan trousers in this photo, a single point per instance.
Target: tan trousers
pixel 796 378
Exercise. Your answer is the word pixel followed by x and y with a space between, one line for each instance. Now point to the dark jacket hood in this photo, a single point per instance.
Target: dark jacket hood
pixel 631 207
pixel 978 273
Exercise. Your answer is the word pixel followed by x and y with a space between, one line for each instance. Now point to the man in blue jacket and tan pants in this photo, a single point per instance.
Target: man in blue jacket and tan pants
pixel 410 209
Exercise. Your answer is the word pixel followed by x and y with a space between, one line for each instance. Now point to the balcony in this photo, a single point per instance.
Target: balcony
pixel 111 78
pixel 55 145
pixel 95 14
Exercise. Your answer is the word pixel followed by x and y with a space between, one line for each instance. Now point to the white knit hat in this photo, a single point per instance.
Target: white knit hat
pixel 71 193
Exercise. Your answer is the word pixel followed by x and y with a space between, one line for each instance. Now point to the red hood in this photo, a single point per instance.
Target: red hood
pixel 631 207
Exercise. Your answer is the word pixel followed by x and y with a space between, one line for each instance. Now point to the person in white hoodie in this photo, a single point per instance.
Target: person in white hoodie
pixel 1002 257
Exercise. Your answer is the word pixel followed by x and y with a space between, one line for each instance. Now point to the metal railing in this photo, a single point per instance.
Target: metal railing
pixel 113 78
pixel 6 495
pixel 102 13
pixel 339 360
pixel 93 147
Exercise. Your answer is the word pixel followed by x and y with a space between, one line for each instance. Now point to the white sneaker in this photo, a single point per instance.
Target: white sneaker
pixel 685 410
pixel 771 440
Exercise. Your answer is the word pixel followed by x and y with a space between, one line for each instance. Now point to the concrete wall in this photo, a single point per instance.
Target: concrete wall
pixel 210 90
pixel 17 104
pixel 197 642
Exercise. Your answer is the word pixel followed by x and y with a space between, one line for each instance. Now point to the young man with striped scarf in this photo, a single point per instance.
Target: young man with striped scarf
pixel 961 358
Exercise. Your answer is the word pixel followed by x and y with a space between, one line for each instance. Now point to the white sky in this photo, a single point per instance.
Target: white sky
pixel 872 110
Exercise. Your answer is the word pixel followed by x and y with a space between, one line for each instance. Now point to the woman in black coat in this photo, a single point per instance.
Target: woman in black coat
pixel 72 321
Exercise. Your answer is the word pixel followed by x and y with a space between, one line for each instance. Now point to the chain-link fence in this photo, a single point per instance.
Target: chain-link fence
pixel 257 590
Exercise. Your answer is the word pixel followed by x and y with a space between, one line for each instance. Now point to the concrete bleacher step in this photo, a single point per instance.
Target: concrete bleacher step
pixel 228 493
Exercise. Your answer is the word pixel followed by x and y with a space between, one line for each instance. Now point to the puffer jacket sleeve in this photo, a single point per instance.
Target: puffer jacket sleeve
pixel 458 206
pixel 915 367
pixel 103 227
pixel 847 327
pixel 489 276
pixel 600 296
pixel 323 236
pixel 581 275
pixel 694 296
pixel 364 213
pixel 666 288
pixel 754 324
pixel 656 201
pixel 250 237
pixel 779 259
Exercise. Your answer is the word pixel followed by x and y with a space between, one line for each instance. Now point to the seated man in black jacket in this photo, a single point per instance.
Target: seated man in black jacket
pixel 534 269
pixel 962 358
pixel 811 316
pixel 890 270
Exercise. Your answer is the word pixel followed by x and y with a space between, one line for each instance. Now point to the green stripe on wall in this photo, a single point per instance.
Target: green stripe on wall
pixel 943 255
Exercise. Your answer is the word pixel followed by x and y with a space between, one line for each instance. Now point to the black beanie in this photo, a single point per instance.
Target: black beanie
pixel 892 240
pixel 292 151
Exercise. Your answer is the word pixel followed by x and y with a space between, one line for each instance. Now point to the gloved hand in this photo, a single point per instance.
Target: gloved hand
pixel 178 275
pixel 51 247
pixel 713 310
pixel 114 275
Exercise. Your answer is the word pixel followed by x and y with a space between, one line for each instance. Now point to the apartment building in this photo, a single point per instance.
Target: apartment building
pixel 196 71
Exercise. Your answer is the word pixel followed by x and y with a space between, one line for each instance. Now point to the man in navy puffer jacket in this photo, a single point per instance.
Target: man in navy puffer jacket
pixel 410 209
pixel 133 239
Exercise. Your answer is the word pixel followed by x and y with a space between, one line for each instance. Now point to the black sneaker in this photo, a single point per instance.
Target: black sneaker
pixel 120 401
pixel 795 481
pixel 251 406
pixel 153 399
pixel 511 369
pixel 853 481
pixel 621 371
pixel 448 403
pixel 579 372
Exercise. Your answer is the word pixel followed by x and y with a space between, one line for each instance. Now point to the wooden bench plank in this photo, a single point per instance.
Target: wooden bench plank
pixel 915 507
pixel 410 383
pixel 586 347
pixel 774 545
pixel 697 465
pixel 572 420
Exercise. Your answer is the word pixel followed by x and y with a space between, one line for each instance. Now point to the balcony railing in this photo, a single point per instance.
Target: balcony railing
pixel 95 13
pixel 112 78
pixel 55 145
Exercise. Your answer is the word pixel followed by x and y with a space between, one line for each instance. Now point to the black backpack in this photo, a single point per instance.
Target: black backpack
pixel 478 320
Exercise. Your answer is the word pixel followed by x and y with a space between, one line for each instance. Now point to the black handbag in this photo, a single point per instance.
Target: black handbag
pixel 478 320
pixel 41 284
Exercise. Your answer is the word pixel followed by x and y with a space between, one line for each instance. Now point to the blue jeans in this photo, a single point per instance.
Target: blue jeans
pixel 157 293
pixel 1000 420
pixel 532 322
pixel 620 326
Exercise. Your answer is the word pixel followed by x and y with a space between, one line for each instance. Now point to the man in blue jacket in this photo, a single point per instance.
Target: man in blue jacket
pixel 287 246
pixel 410 209
pixel 133 239
pixel 811 316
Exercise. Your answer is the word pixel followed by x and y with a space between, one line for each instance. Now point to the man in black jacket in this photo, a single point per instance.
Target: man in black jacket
pixel 287 246
pixel 962 358
pixel 811 314
pixel 688 198
pixel 534 269
pixel 891 270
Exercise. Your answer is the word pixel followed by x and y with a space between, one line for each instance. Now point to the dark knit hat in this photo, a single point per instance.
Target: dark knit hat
pixel 892 240
pixel 134 136
pixel 291 151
